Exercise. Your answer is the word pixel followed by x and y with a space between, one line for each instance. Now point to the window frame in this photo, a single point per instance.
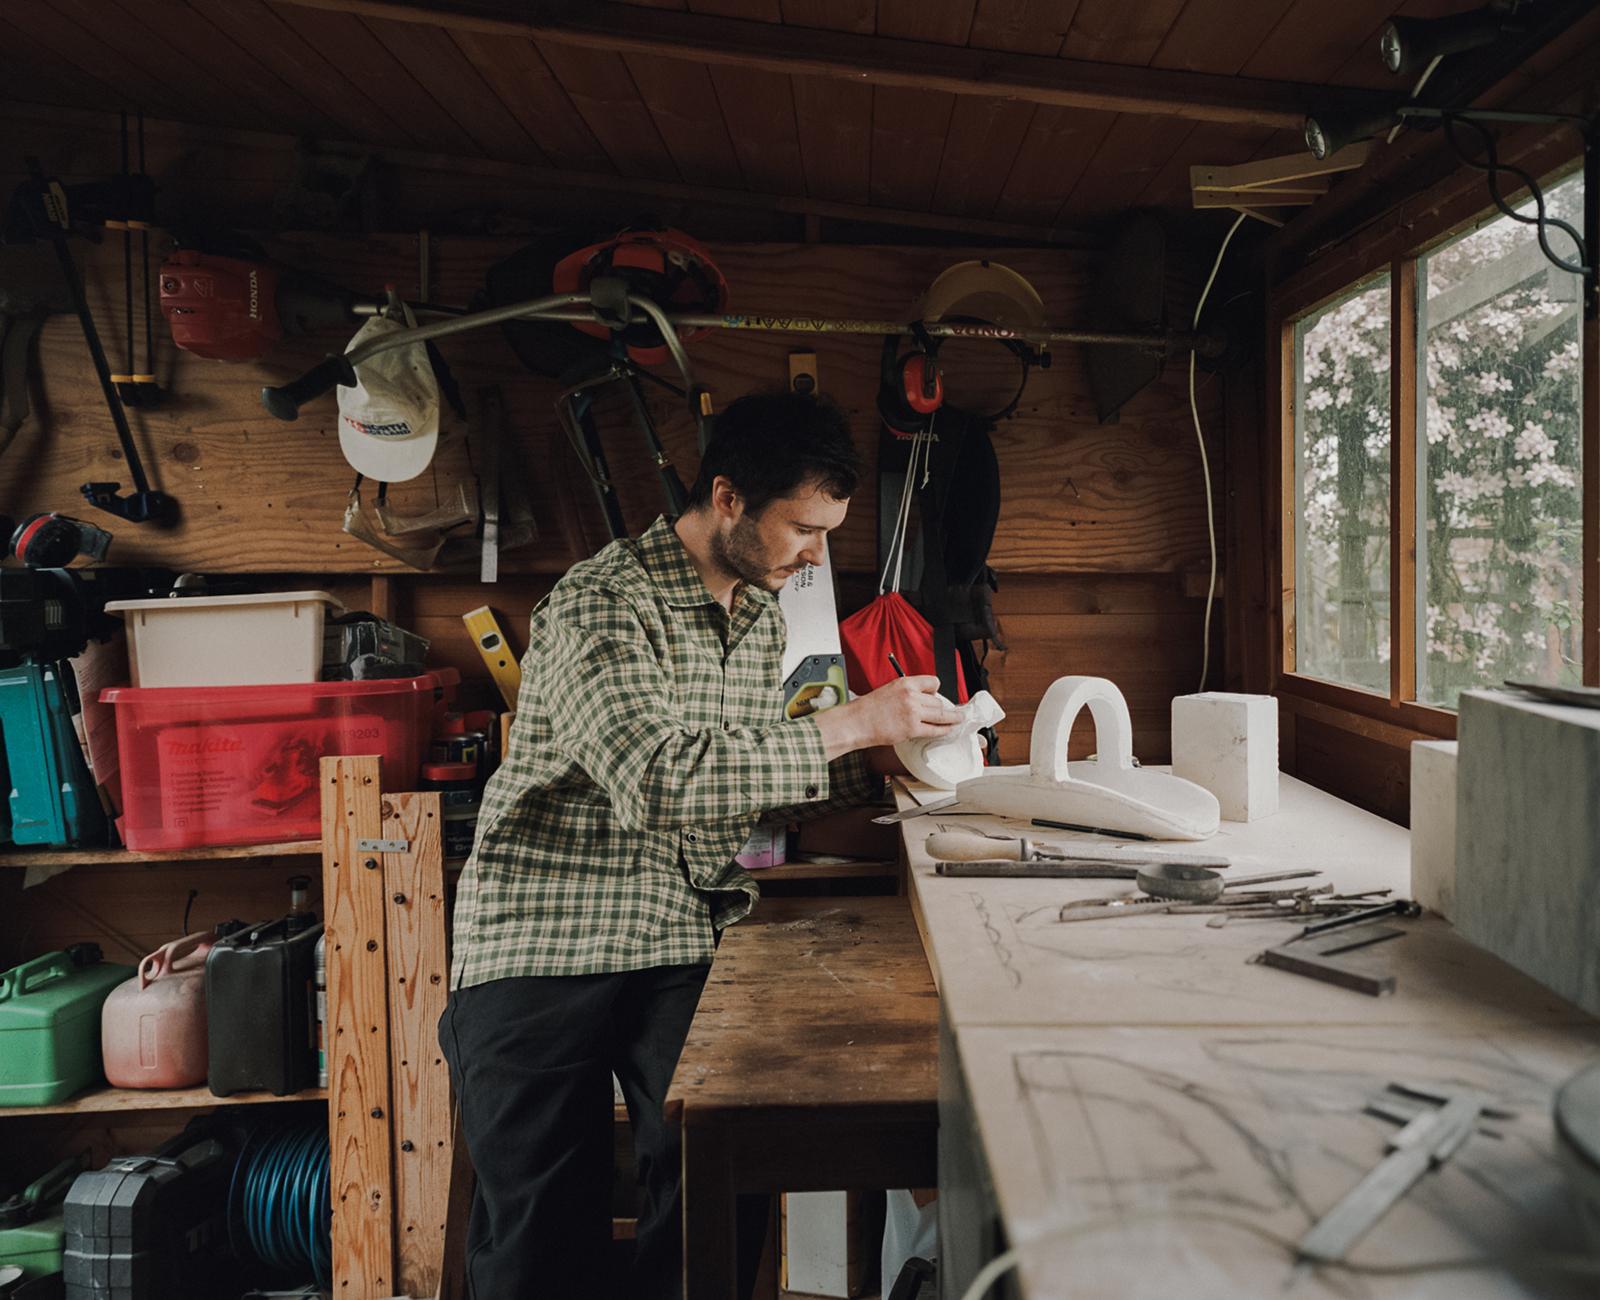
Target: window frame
pixel 1397 248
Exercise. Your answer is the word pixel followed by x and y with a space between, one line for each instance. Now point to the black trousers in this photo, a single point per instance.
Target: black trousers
pixel 531 1060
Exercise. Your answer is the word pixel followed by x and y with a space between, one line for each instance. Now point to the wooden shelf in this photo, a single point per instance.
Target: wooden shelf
pixel 827 871
pixel 124 1099
pixel 117 857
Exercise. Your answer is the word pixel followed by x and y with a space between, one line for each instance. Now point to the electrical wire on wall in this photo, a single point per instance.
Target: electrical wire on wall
pixel 1205 463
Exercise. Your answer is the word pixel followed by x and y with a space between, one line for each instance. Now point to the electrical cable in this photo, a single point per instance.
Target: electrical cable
pixel 1491 166
pixel 1578 1265
pixel 1205 463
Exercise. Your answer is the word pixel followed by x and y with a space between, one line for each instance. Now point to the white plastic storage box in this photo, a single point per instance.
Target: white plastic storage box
pixel 266 640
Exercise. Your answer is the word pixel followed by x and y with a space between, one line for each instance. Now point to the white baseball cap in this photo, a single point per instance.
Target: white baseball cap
pixel 389 422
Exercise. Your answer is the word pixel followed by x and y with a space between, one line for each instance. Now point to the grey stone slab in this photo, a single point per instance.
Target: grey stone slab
pixel 1528 838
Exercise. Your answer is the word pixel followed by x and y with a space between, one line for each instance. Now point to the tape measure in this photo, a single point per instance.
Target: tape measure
pixel 497 656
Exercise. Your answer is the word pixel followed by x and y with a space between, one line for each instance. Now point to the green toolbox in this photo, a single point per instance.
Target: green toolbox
pixel 50 1024
pixel 32 1232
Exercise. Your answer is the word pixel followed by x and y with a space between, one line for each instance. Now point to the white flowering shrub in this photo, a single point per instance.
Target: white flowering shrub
pixel 1500 507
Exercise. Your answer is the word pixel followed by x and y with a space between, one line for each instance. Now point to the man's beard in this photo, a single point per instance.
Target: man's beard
pixel 742 554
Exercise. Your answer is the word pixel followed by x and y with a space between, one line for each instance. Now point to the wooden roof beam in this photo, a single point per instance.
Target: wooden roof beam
pixel 920 65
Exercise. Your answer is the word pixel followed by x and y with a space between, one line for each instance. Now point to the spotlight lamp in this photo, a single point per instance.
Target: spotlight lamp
pixel 1327 133
pixel 1409 45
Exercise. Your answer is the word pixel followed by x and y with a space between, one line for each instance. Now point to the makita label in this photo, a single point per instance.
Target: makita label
pixel 397 430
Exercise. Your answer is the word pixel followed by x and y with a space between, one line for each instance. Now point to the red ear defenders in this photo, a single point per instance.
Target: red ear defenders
pixel 921 384
pixel 911 385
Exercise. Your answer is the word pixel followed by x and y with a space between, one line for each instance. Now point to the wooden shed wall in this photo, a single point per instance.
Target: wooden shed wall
pixel 1101 547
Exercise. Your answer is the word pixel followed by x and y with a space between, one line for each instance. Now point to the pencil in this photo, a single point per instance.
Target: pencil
pixel 895 664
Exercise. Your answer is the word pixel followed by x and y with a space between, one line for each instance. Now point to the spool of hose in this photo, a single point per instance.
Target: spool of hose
pixel 278 1203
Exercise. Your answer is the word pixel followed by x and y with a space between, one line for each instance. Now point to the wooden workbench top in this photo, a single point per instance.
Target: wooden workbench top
pixel 1160 1117
pixel 814 1000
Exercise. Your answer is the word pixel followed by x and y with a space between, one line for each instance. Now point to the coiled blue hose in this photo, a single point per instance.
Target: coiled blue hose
pixel 279 1201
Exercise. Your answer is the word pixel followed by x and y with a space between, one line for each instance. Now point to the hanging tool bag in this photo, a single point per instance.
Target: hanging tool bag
pixel 945 570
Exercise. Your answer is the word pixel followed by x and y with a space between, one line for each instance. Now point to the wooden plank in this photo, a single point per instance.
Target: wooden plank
pixel 518 74
pixel 1591 490
pixel 1055 153
pixel 359 1118
pixel 418 988
pixel 1284 368
pixel 602 90
pixel 1403 541
pixel 40 75
pixel 139 57
pixel 919 65
pixel 212 59
pixel 981 146
pixel 834 122
pixel 684 104
pixel 14 857
pixel 105 1100
pixel 367 63
pixel 761 115
pixel 908 142
pixel 447 75
pixel 307 71
pixel 1023 26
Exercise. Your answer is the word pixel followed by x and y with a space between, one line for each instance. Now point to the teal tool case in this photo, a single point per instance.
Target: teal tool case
pixel 50 1025
pixel 50 797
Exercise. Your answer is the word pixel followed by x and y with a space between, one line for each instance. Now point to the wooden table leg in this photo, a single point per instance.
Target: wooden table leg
pixel 710 1236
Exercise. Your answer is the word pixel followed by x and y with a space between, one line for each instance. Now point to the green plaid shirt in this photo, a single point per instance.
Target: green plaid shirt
pixel 649 742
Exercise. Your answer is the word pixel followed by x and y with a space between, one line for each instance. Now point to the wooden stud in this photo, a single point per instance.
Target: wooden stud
pixel 1286 370
pixel 917 64
pixel 358 1031
pixel 1403 521
pixel 1591 493
pixel 419 982
pixel 1295 171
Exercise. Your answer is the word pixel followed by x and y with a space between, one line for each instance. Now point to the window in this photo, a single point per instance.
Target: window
pixel 1443 552
pixel 1499 450
pixel 1341 416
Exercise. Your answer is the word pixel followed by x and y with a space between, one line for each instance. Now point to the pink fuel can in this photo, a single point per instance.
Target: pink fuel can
pixel 153 1026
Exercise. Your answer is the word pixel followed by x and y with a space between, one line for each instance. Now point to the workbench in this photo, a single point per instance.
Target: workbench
pixel 1143 1112
pixel 810 1066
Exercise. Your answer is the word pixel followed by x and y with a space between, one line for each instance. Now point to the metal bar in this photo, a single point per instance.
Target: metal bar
pixel 1425 1142
pixel 1037 869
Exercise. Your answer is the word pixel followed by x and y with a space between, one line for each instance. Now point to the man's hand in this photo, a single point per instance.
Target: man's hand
pixel 908 708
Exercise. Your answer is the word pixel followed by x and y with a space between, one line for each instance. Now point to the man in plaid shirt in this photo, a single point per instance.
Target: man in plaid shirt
pixel 649 742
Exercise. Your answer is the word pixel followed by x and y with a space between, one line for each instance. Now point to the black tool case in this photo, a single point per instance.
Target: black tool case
pixel 261 1009
pixel 151 1227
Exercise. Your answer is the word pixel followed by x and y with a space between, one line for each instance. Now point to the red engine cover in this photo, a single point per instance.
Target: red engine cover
pixel 220 307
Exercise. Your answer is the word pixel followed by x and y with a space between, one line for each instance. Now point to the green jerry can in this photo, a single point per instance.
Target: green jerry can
pixel 50 1024
pixel 32 1231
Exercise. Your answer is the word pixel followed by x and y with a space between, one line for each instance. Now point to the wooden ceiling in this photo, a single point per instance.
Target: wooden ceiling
pixel 1045 116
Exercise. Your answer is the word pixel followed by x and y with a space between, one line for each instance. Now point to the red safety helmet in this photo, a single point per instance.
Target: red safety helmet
pixel 220 307
pixel 666 266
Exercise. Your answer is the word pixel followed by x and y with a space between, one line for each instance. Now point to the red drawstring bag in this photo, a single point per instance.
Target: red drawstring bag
pixel 890 624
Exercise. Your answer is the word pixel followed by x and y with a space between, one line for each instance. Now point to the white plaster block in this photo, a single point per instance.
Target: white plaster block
pixel 1433 825
pixel 1528 838
pixel 1228 744
pixel 819 1242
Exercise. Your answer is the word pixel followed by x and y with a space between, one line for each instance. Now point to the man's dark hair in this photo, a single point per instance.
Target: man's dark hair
pixel 770 444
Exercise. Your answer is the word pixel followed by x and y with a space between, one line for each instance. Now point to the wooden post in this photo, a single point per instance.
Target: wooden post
pixel 1403 522
pixel 418 987
pixel 358 1031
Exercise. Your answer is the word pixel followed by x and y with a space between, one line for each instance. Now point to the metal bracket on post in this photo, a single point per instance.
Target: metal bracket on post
pixel 384 846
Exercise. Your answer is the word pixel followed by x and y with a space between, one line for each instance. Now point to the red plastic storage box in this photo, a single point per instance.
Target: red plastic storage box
pixel 210 765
